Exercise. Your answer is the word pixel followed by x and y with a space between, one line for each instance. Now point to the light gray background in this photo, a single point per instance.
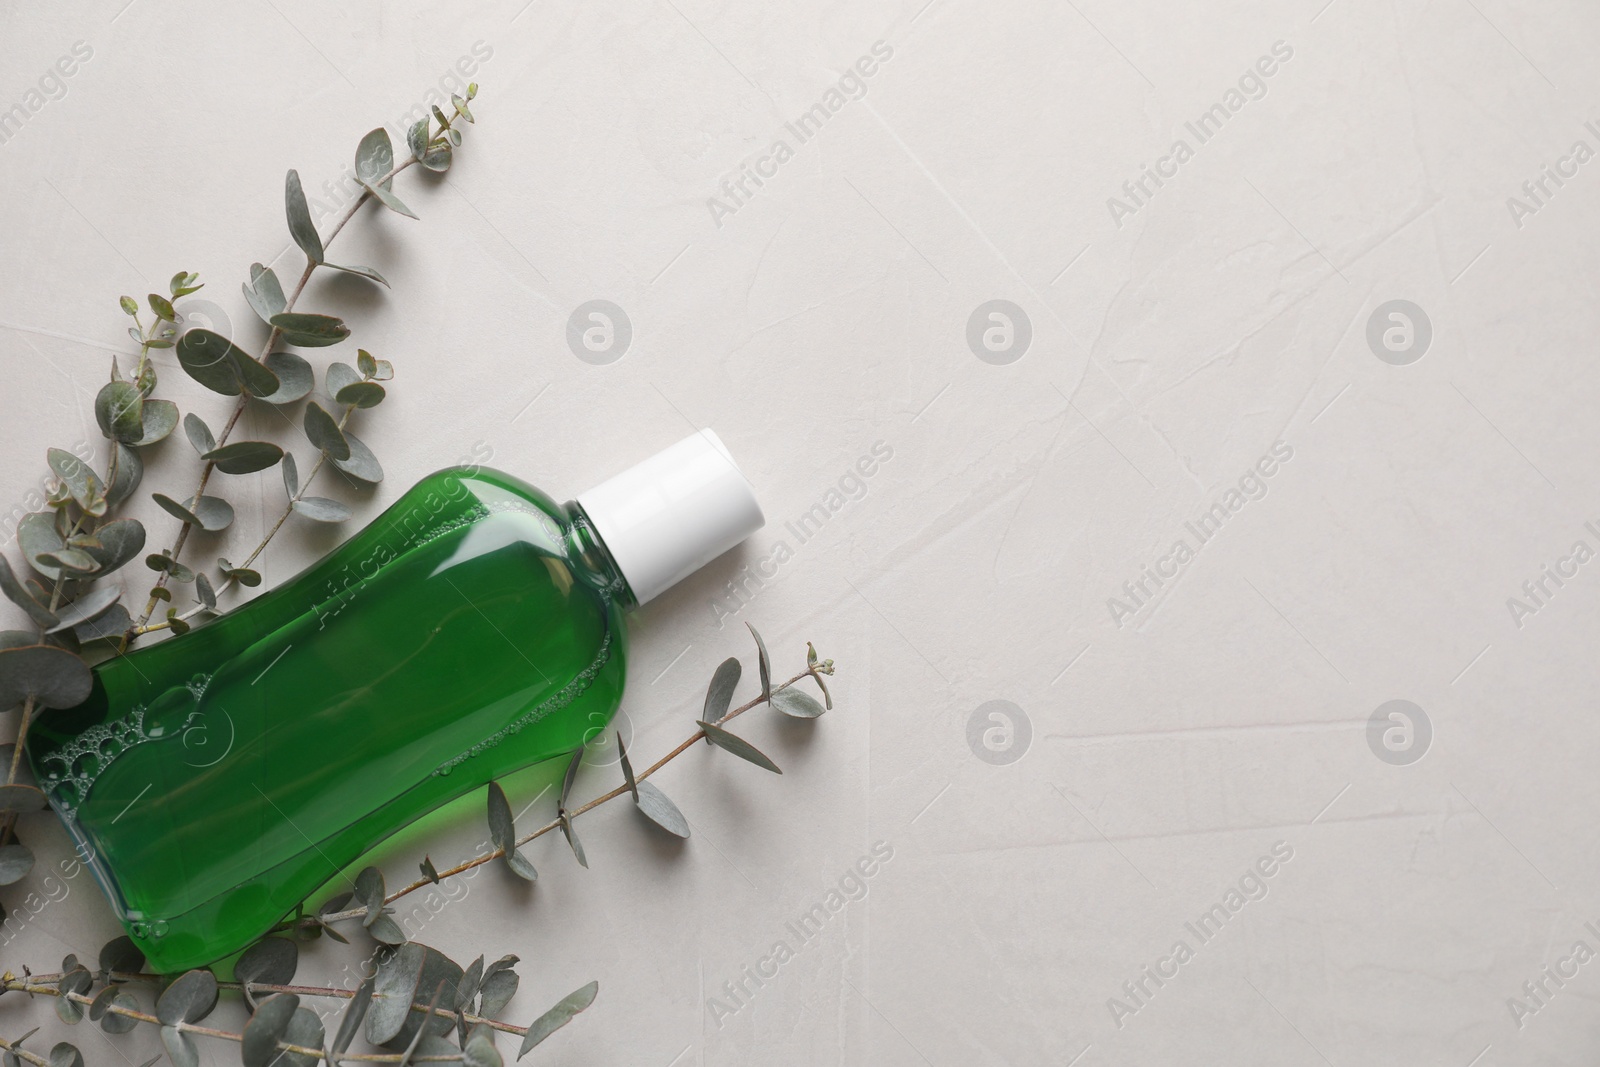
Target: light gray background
pixel 830 312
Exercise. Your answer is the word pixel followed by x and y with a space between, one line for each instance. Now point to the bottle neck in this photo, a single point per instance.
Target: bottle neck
pixel 585 546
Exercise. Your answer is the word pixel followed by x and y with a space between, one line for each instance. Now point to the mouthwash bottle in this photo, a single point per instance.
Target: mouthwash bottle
pixel 214 781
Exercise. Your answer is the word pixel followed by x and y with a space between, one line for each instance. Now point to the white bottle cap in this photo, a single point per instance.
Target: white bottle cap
pixel 672 514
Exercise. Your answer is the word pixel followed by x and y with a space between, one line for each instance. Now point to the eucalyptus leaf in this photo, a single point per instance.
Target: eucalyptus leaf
pixel 121 955
pixel 361 272
pixel 386 931
pixel 375 158
pixel 243 575
pixel 16 860
pixel 102 1001
pixel 370 893
pixel 499 986
pixel 305 1030
pixel 270 961
pixel 126 476
pixel 350 1023
pixel 324 432
pixel 160 561
pixel 390 201
pixel 738 746
pixel 258 380
pixel 438 157
pixel 88 607
pixel 765 663
pixel 310 331
pixel 204 592
pixel 245 457
pixel 16 593
pixel 362 464
pixel 794 703
pixel 80 480
pixel 69 559
pixel 114 623
pixel 395 988
pixel 113 1022
pixel 479 1051
pixel 54 677
pixel 215 514
pixel 470 983
pixel 503 834
pixel 417 138
pixel 199 434
pixel 321 509
pixel 340 375
pixel 212 360
pixel 189 999
pixel 118 408
pixel 65 1054
pixel 295 377
pixel 429 871
pixel 160 418
pixel 264 293
pixel 720 693
pixel 558 1016
pixel 362 394
pixel 175 509
pixel 661 811
pixel 258 1046
pixel 570 832
pixel 571 777
pixel 162 307
pixel 627 768
pixel 291 475
pixel 301 228
pixel 180 1048
pixel 121 541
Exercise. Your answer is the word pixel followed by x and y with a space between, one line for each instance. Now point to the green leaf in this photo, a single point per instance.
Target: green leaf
pixel 350 1023
pixel 362 464
pixel 121 541
pixel 162 307
pixel 22 799
pixel 569 831
pixel 115 1022
pixel 80 480
pixel 661 811
pixel 305 1030
pixel 765 663
pixel 627 768
pixel 121 955
pixel 270 961
pixel 189 999
pixel 54 677
pixel 245 457
pixel 130 306
pixel 18 594
pixel 212 360
pixel 310 331
pixel 417 138
pixel 37 536
pixel 395 989
pixel 175 509
pixel 374 157
pixel 295 377
pixel 324 433
pixel 455 137
pixel 429 871
pixel 558 1016
pixel 127 475
pixel 69 559
pixel 479 1051
pixel 738 746
pixel 199 434
pixel 301 228
pixel 438 156
pixel 160 561
pixel 340 375
pixel 361 272
pixel 361 394
pixel 503 834
pixel 291 475
pixel 118 408
pixel 499 986
pixel 571 777
pixel 796 704
pixel 321 509
pixel 719 694
pixel 65 1054
pixel 390 201
pixel 16 860
pixel 180 1048
pixel 160 418
pixel 182 284
pixel 93 604
pixel 370 893
pixel 264 293
pixel 215 514
pixel 204 592
pixel 113 623
pixel 386 931
pixel 269 1024
pixel 243 575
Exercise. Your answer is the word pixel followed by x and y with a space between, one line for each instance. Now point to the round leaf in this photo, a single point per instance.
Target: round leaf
pixel 128 474
pixel 245 457
pixel 54 677
pixel 115 1022
pixel 270 961
pixel 22 799
pixel 180 1049
pixel 90 606
pixel 160 418
pixel 361 394
pixel 305 1030
pixel 118 408
pixel 374 156
pixel 362 464
pixel 65 1055
pixel 113 623
pixel 121 955
pixel 295 377
pixel 325 434
pixel 321 509
pixel 396 988
pixel 215 514
pixel 264 293
pixel 340 375
pixel 259 1044
pixel 210 359
pixel 15 862
pixel 199 433
pixel 120 541
pixel 794 703
pixel 310 331
pixel 189 999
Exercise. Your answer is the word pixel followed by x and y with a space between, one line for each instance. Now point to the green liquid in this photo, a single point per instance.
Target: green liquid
pixel 216 780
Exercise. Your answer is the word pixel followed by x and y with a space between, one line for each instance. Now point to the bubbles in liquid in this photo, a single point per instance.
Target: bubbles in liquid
pixel 71 770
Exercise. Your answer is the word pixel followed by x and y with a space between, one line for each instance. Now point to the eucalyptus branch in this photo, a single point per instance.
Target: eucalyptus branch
pixel 815 670
pixel 273 335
